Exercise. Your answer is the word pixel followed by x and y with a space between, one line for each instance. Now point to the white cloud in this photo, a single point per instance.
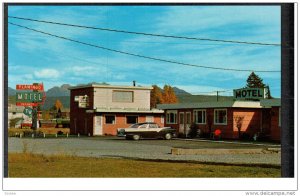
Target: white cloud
pixel 47 73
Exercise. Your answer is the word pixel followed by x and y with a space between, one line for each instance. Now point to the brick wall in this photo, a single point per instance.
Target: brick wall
pixel 80 121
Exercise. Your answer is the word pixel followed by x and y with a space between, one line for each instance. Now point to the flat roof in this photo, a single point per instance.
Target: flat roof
pixel 110 86
pixel 271 102
pixel 215 104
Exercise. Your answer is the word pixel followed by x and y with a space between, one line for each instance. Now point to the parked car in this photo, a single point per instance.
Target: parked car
pixel 146 130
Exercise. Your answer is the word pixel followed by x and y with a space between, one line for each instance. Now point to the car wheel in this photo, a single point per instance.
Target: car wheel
pixel 136 137
pixel 168 136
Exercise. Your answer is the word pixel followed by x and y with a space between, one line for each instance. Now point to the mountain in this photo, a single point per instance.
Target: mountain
pixel 11 92
pixel 59 91
pixel 179 92
pixel 50 101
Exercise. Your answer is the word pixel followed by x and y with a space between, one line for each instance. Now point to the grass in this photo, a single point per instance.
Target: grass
pixel 33 165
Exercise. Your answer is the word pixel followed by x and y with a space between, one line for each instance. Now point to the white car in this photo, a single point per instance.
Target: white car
pixel 146 130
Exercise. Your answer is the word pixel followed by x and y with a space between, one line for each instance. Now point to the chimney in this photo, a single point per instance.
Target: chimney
pixel 133 82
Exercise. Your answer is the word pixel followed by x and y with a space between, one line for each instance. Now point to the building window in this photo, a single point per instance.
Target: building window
pixel 110 119
pixel 220 116
pixel 131 119
pixel 172 117
pixel 149 119
pixel 200 116
pixel 122 96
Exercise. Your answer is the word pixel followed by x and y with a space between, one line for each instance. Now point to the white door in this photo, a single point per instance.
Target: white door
pixel 188 120
pixel 98 125
pixel 181 122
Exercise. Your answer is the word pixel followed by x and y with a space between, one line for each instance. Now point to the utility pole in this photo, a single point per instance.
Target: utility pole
pixel 218 94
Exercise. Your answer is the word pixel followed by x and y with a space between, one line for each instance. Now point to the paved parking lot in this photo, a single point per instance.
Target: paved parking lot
pixel 142 149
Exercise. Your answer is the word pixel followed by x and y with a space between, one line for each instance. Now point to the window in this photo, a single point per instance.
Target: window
pixel 110 119
pixel 149 119
pixel 172 117
pixel 220 116
pixel 131 119
pixel 144 126
pixel 122 96
pixel 200 116
pixel 153 126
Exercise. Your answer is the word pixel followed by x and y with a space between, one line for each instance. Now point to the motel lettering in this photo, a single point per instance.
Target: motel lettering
pixel 249 93
pixel 29 97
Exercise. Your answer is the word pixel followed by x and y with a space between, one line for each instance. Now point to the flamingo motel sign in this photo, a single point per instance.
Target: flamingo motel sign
pixel 37 96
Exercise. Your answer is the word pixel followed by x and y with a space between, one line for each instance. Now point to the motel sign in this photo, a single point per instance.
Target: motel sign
pixel 250 93
pixel 28 97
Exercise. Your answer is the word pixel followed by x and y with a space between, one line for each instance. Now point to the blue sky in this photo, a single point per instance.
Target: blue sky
pixel 35 57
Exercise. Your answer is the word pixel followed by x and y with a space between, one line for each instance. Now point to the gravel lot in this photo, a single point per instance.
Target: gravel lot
pixel 143 149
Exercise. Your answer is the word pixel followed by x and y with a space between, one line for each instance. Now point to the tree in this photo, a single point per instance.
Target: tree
pixel 58 105
pixel 155 96
pixel 168 95
pixel 239 122
pixel 254 81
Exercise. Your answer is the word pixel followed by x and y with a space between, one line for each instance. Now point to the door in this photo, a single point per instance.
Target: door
pixel 181 122
pixel 188 120
pixel 98 125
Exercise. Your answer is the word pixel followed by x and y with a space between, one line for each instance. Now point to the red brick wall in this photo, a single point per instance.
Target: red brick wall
pixel 111 129
pixel 275 128
pixel 80 113
pixel 251 123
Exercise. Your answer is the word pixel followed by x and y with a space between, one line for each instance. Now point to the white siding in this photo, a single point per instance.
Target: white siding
pixel 103 98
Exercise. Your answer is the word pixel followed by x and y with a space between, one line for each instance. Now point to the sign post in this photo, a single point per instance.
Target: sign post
pixel 31 99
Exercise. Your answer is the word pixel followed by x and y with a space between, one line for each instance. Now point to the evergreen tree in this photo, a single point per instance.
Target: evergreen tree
pixel 254 81
pixel 155 96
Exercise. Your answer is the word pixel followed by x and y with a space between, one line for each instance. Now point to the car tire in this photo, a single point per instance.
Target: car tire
pixel 168 136
pixel 136 137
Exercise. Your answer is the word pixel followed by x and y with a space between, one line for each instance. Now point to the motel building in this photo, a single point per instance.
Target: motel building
pixel 102 109
pixel 249 110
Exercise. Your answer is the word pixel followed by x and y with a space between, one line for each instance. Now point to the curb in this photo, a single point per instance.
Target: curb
pixel 228 142
pixel 182 151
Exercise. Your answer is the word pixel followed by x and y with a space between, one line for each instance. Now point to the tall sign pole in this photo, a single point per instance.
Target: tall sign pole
pixel 32 99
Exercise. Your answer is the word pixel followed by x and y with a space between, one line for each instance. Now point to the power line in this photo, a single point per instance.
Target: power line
pixel 142 33
pixel 137 55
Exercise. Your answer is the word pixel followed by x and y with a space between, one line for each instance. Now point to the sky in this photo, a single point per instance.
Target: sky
pixel 35 57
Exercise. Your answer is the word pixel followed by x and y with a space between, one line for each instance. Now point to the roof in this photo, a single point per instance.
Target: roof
pixel 110 86
pixel 128 110
pixel 271 102
pixel 215 104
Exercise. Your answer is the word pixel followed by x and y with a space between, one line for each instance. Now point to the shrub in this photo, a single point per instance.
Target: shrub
pixel 193 130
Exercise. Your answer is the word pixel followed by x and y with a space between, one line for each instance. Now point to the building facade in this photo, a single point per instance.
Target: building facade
pixel 102 109
pixel 235 119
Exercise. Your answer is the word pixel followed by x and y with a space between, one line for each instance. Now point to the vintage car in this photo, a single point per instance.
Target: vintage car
pixel 146 130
